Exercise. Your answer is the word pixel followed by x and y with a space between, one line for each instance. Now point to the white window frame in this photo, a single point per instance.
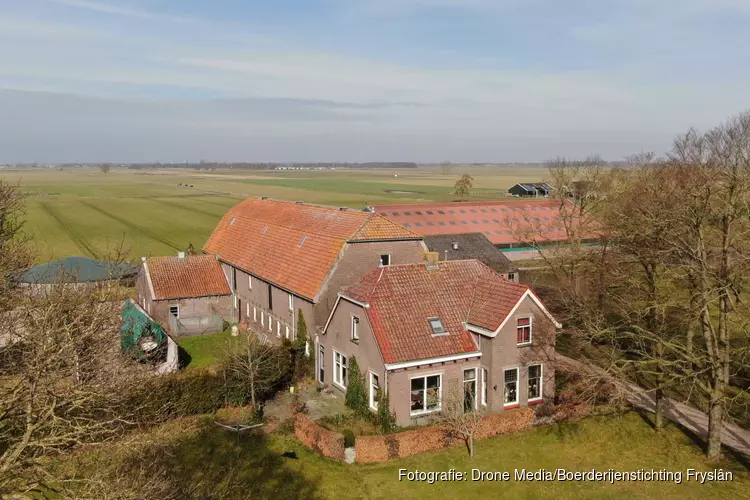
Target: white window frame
pixel 337 370
pixel 381 260
pixel 476 384
pixel 249 282
pixel 286 330
pixel 262 320
pixel 512 277
pixel 485 373
pixel 177 316
pixel 291 302
pixel 278 329
pixel 270 323
pixel 373 399
pixel 518 382
pixel 255 314
pixel 247 305
pixel 307 348
pixel 541 383
pixel 427 411
pixel 354 333
pixel 321 364
pixel 531 330
pixel 234 299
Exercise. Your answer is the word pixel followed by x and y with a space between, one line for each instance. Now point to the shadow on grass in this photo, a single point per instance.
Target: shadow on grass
pixel 184 357
pixel 216 463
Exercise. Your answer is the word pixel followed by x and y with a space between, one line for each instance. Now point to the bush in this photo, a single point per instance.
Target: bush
pixel 356 396
pixel 348 438
pixel 385 417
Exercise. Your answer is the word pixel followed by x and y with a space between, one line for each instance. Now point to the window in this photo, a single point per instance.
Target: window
pixel 426 394
pixel 470 389
pixel 484 386
pixel 535 382
pixel 234 280
pixel 278 329
pixel 249 282
pixel 437 326
pixel 511 386
pixel 307 349
pixel 255 314
pixel 374 391
pixel 355 330
pixel 385 259
pixel 321 363
pixel 261 319
pixel 523 331
pixel 234 301
pixel 247 306
pixel 286 332
pixel 511 276
pixel 340 369
pixel 291 302
pixel 270 323
pixel 174 311
pixel 270 297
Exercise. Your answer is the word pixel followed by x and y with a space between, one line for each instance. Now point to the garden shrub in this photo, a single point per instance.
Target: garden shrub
pixel 356 395
pixel 386 418
pixel 348 438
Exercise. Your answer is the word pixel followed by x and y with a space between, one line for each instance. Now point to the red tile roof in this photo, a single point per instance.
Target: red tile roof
pixel 503 222
pixel 295 245
pixel 189 277
pixel 402 298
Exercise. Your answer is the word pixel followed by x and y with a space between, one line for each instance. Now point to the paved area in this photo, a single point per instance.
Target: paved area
pixel 693 419
pixel 319 404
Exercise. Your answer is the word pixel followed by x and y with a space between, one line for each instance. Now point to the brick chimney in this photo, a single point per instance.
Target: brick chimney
pixel 432 260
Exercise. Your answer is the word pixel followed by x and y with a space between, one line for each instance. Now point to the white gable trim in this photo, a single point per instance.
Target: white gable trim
pixel 364 305
pixel 528 293
pixel 480 330
pixel 148 280
pixel 354 301
pixel 430 361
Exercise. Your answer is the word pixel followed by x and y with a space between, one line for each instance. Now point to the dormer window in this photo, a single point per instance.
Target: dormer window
pixel 437 326
pixel 385 260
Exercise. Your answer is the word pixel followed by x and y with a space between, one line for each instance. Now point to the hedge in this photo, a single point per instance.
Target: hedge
pixel 370 449
pixel 330 444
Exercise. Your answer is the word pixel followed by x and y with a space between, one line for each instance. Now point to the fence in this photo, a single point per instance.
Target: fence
pixel 199 325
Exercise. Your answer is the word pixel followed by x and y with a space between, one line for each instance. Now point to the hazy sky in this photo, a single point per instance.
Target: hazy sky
pixel 358 80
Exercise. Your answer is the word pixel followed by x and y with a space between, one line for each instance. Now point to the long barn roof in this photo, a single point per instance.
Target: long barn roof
pixel 504 222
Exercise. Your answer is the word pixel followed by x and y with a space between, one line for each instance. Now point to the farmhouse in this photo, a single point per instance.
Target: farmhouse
pixel 189 294
pixel 425 332
pixel 284 257
pixel 83 271
pixel 508 224
pixel 531 190
pixel 472 246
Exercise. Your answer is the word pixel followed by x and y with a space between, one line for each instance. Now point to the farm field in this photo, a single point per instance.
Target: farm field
pixel 87 212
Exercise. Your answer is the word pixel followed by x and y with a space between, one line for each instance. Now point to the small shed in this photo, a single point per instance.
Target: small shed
pixel 89 273
pixel 531 190
pixel 472 246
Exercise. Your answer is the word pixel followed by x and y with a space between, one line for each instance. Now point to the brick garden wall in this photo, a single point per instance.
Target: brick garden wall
pixel 371 449
pixel 322 441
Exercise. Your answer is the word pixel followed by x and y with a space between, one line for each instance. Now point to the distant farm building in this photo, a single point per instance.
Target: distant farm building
pixel 531 190
pixel 189 294
pixel 472 246
pixel 83 271
pixel 509 224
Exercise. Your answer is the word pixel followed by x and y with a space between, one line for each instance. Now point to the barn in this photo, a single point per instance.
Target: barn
pixel 531 190
pixel 87 273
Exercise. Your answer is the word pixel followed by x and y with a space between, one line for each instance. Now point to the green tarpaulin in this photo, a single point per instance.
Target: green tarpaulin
pixel 77 270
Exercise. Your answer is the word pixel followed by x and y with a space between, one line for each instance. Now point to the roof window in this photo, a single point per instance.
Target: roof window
pixel 437 326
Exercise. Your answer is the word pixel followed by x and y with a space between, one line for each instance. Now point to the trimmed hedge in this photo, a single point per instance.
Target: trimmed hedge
pixel 322 441
pixel 371 449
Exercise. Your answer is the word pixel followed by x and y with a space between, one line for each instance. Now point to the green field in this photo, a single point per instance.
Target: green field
pixel 86 212
pixel 204 461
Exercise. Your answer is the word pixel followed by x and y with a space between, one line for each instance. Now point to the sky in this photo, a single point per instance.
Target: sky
pixel 364 80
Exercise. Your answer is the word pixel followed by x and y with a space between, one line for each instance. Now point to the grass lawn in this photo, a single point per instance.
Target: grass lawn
pixel 205 461
pixel 202 351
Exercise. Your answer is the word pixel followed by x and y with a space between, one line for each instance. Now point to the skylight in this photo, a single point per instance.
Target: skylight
pixel 301 241
pixel 437 326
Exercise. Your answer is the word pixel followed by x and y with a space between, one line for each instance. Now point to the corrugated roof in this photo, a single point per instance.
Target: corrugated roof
pixel 402 299
pixel 295 245
pixel 77 270
pixel 188 277
pixel 470 246
pixel 502 222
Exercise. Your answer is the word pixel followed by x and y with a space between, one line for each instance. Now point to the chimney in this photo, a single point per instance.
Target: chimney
pixel 180 255
pixel 455 245
pixel 299 202
pixel 432 259
pixel 264 197
pixel 343 209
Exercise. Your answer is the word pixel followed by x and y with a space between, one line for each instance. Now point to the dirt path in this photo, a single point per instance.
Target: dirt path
pixel 693 419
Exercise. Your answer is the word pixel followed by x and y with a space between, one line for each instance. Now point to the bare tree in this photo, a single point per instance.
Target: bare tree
pixel 463 186
pixel 257 365
pixel 64 381
pixel 459 414
pixel 105 167
pixel 16 254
